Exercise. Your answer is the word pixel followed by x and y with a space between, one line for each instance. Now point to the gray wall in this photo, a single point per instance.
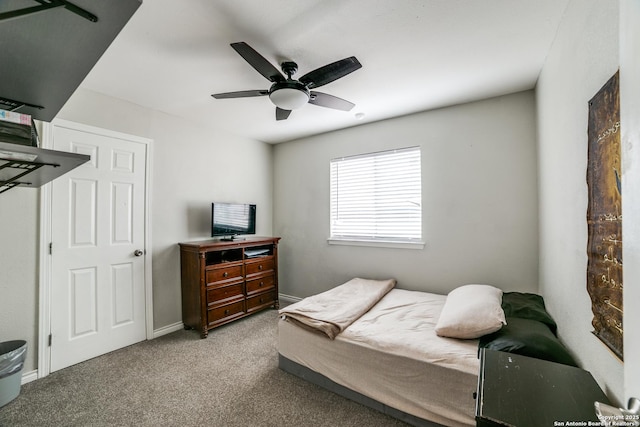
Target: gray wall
pixel 19 225
pixel 479 193
pixel 583 57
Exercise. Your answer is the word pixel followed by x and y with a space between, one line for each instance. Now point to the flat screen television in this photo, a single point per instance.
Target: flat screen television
pixel 232 219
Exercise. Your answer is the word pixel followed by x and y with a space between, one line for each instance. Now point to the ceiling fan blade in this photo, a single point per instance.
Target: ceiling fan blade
pixel 258 62
pixel 282 114
pixel 330 101
pixel 240 94
pixel 323 75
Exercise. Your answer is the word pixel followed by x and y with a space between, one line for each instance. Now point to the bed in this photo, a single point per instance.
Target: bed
pixel 389 354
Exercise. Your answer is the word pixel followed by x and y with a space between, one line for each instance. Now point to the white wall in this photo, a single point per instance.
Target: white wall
pixel 192 166
pixel 583 57
pixel 630 138
pixel 479 193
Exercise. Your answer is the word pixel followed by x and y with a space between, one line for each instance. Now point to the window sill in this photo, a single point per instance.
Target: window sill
pixel 376 243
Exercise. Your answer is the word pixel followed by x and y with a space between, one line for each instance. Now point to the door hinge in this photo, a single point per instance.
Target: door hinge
pixel 50 339
pixel 50 248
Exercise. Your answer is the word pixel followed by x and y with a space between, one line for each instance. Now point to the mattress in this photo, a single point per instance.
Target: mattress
pixel 392 355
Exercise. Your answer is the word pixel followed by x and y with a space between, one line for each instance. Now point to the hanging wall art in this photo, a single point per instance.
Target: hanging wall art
pixel 604 216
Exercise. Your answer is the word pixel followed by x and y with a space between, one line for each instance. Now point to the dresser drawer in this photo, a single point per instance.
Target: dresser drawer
pixel 221 294
pixel 261 301
pixel 260 265
pixel 260 285
pixel 224 273
pixel 225 312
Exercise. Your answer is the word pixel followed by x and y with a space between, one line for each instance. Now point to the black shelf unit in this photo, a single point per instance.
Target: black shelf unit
pixel 24 166
pixel 48 48
pixel 46 55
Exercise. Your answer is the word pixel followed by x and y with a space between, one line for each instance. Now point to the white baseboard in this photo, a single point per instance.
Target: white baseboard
pixel 27 377
pixel 289 298
pixel 167 329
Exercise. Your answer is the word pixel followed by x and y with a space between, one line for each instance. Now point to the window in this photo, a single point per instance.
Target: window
pixel 376 197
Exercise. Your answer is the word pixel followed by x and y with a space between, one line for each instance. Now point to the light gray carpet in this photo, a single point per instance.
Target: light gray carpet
pixel 229 379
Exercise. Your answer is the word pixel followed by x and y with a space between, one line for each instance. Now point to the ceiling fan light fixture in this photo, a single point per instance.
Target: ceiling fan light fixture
pixel 289 98
pixel 287 93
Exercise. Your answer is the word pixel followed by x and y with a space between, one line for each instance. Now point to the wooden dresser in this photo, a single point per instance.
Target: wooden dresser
pixel 223 281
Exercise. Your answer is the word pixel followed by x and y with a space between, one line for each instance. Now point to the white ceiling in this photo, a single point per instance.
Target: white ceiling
pixel 416 55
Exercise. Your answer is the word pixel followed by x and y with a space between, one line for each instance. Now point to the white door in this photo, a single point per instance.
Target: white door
pixel 98 236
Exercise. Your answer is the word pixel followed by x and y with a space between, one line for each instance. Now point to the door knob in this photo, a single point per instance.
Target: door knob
pixel 138 252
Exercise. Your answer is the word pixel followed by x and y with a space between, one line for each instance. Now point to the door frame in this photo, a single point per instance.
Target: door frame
pixel 45 265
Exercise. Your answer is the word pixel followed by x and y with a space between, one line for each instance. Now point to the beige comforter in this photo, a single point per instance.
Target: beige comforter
pixel 332 311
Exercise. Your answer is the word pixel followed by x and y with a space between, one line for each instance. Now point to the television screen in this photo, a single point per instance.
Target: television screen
pixel 232 219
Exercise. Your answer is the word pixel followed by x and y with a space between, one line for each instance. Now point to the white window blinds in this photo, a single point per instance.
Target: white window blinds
pixel 377 196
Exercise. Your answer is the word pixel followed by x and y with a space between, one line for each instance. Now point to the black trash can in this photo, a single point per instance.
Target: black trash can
pixel 12 355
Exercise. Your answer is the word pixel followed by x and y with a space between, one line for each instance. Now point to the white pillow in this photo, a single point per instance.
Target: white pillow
pixel 471 311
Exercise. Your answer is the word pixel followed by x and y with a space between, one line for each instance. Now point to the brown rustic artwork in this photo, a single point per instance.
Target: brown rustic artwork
pixel 604 216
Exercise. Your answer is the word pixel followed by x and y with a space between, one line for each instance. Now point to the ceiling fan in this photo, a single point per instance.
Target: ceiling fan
pixel 287 93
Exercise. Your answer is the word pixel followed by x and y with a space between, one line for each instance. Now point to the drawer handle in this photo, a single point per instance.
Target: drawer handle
pixel 260 267
pixel 261 284
pixel 226 311
pixel 261 300
pixel 225 274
